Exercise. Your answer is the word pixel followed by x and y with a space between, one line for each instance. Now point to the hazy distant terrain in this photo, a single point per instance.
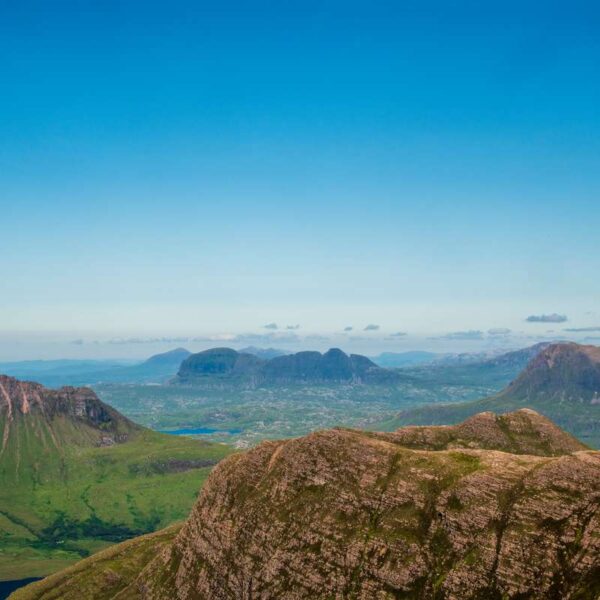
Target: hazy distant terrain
pixel 244 414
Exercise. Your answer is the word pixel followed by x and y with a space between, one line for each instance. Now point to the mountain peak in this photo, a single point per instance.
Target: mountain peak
pixel 565 371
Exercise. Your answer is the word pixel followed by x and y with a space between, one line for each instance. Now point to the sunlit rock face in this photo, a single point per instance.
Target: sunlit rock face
pixel 493 508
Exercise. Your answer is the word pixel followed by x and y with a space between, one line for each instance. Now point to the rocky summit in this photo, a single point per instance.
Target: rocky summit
pixel 496 508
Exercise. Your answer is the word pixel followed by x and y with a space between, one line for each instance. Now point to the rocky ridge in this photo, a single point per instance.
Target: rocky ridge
pixel 350 514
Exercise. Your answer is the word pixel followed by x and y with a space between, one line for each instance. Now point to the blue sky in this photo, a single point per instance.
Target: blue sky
pixel 197 170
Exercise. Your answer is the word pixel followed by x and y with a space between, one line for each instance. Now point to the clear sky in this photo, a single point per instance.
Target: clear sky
pixel 201 170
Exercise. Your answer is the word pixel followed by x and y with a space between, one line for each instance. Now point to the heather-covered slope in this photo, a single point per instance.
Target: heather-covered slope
pixel 76 475
pixel 350 514
pixel 561 382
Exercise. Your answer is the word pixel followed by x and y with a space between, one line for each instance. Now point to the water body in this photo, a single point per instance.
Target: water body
pixel 201 431
pixel 8 587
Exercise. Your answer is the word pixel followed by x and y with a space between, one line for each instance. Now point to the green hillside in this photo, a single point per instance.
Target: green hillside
pixel 76 476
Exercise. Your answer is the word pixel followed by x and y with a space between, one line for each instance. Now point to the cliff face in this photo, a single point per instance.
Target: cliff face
pixel 344 514
pixel 83 418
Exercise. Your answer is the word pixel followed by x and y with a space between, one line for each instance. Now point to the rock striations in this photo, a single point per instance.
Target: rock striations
pixel 68 415
pixel 423 513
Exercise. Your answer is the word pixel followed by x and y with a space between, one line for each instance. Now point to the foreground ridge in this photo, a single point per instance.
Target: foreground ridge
pixel 350 514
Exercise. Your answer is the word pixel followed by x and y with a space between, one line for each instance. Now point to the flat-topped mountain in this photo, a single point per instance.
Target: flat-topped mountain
pixel 334 366
pixel 350 514
pixel 221 362
pixel 562 381
pixel 76 475
pixel 30 413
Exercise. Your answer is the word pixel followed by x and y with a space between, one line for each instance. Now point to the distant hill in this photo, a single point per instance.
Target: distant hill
pixel 56 373
pixel 157 369
pixel 392 360
pixel 334 366
pixel 264 353
pixel 561 381
pixel 499 507
pixel 76 475
pixel 170 359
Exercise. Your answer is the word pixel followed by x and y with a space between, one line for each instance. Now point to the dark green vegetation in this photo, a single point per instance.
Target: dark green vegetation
pixel 76 476
pixel 561 382
pixel 303 367
pixel 109 570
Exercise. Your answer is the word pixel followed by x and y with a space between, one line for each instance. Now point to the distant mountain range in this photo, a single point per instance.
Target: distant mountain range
pixel 472 369
pixel 334 366
pixel 76 475
pixel 496 357
pixel 501 506
pixel 55 373
pixel 562 381
pixel 391 360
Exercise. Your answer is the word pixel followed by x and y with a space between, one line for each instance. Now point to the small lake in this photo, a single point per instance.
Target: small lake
pixel 200 431
pixel 8 587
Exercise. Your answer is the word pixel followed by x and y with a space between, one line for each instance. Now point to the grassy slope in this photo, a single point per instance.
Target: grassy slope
pixel 58 504
pixel 103 575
